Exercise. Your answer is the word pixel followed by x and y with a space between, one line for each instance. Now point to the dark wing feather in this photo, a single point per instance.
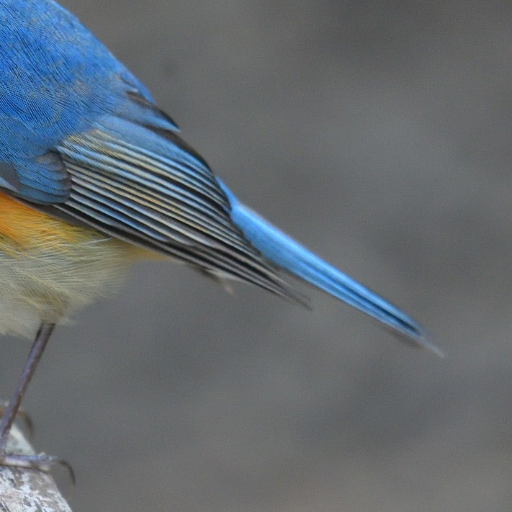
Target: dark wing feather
pixel 147 187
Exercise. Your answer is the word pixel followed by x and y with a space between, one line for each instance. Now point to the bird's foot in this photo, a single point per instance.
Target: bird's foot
pixel 14 451
pixel 39 462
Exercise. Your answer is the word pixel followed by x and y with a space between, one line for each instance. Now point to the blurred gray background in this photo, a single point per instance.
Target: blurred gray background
pixel 378 133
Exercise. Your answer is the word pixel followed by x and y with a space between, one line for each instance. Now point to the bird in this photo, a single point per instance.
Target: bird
pixel 94 176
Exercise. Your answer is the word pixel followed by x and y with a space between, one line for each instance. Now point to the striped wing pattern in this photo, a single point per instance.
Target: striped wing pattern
pixel 150 188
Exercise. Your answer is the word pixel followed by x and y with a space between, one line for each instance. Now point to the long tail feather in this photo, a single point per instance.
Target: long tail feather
pixel 290 256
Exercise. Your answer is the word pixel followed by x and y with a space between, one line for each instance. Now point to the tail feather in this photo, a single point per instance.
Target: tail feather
pixel 290 256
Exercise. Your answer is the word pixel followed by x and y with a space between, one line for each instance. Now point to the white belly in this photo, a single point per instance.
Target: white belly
pixel 49 283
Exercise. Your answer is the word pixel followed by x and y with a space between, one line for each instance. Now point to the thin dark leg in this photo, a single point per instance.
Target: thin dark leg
pixel 40 461
pixel 42 337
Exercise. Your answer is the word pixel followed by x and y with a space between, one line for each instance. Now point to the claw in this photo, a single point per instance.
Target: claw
pixel 40 462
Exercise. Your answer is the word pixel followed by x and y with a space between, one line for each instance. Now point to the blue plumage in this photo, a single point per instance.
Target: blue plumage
pixel 291 256
pixel 81 136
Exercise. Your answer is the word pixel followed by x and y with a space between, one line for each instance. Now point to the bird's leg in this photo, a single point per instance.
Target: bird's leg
pixel 42 337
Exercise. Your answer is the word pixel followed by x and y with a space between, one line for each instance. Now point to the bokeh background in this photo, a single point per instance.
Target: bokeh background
pixel 376 132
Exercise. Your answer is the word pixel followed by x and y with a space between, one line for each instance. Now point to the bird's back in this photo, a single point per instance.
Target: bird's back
pixel 57 78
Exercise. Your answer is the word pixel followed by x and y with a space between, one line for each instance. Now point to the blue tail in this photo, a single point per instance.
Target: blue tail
pixel 287 254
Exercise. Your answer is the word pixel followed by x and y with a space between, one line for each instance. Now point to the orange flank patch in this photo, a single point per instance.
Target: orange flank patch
pixel 25 229
pixel 21 225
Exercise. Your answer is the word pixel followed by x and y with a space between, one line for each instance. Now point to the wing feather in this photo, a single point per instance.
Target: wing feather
pixel 147 187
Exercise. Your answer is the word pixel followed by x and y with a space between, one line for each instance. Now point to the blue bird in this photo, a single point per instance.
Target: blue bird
pixel 94 176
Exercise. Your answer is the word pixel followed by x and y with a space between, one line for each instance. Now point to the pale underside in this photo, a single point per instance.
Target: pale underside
pixel 49 282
